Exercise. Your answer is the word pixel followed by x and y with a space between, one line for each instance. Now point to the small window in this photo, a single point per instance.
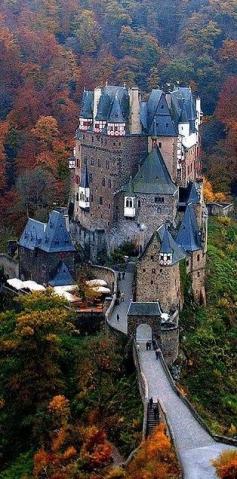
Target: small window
pixel 161 270
pixel 144 270
pixel 92 139
pixel 101 200
pixel 139 203
pixel 77 197
pixel 187 262
pixel 160 144
pixel 92 162
pixel 152 258
pixel 151 282
pixel 91 198
pixel 168 257
pixel 198 257
pixel 90 177
pixel 159 199
pixel 198 275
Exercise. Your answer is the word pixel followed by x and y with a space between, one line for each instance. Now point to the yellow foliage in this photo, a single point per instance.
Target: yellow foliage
pixel 209 195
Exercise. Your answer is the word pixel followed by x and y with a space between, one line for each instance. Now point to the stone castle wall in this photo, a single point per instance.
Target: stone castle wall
pixel 40 266
pixel 135 321
pixel 196 265
pixel 156 282
pixel 110 161
pixel 169 339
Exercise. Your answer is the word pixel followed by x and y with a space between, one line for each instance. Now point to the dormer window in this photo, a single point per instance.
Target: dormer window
pixel 129 206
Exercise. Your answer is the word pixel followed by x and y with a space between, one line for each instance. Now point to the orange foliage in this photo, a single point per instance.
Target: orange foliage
pixel 226 465
pixel 155 459
pixel 209 194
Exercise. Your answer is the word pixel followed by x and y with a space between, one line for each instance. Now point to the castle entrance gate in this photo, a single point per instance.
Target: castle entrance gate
pixel 143 333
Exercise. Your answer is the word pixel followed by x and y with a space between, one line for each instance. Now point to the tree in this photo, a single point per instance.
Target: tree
pixel 30 365
pixel 226 464
pixel 36 188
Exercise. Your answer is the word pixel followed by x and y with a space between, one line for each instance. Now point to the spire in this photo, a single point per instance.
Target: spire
pixel 166 242
pixel 188 234
pixel 193 196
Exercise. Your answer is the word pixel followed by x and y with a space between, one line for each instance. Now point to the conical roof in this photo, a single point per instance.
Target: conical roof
pixel 169 245
pixel 153 176
pixel 188 235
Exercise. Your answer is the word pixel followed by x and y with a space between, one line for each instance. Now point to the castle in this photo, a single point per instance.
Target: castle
pixel 131 157
pixel 135 176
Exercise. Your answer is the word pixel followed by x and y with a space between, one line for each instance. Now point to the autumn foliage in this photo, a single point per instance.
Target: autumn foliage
pixel 226 465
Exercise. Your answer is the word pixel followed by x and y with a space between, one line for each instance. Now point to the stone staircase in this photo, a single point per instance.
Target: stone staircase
pixel 152 422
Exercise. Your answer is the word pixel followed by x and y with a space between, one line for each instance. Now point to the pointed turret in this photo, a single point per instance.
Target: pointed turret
pixel 170 251
pixel 84 190
pixel 189 235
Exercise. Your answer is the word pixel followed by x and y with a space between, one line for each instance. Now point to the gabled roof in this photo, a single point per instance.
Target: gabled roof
pixel 116 115
pixel 188 235
pixel 62 277
pixel 153 176
pixel 33 234
pixel 56 237
pixel 144 309
pixel 87 105
pixel 169 245
pixel 84 183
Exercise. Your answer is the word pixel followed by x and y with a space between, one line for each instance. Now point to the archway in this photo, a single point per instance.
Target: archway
pixel 143 333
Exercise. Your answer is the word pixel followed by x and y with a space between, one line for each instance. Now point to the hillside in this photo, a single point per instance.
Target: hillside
pixel 209 334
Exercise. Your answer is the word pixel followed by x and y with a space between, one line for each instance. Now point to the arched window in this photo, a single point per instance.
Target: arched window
pixel 129 202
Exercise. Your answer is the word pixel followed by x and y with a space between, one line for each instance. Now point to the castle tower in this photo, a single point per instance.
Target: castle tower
pixel 190 238
pixel 158 275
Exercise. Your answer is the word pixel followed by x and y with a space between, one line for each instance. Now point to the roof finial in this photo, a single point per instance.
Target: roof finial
pixel 106 83
pixel 124 85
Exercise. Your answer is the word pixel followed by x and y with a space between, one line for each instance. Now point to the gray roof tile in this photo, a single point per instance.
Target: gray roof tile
pixel 144 309
pixel 188 235
pixel 33 234
pixel 153 176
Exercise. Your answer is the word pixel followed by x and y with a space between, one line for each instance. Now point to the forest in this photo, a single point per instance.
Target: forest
pixel 50 50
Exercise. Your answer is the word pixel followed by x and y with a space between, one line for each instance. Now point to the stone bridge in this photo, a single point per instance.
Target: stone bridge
pixel 195 445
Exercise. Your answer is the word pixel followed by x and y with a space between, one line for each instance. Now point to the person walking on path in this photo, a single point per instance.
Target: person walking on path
pixel 150 402
pixel 157 354
pixel 123 274
pixel 122 297
pixel 117 317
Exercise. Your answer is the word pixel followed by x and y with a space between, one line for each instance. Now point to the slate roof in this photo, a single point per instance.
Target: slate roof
pixel 56 237
pixel 116 115
pixel 62 277
pixel 87 105
pixel 113 105
pixel 84 183
pixel 183 107
pixel 144 309
pixel 188 234
pixel 153 176
pixel 190 194
pixel 50 237
pixel 156 117
pixel 169 245
pixel 33 234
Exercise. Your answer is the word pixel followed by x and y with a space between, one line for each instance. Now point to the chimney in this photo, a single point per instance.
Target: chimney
pixel 134 118
pixel 97 95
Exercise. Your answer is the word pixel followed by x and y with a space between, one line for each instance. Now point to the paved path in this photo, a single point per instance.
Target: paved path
pixel 195 446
